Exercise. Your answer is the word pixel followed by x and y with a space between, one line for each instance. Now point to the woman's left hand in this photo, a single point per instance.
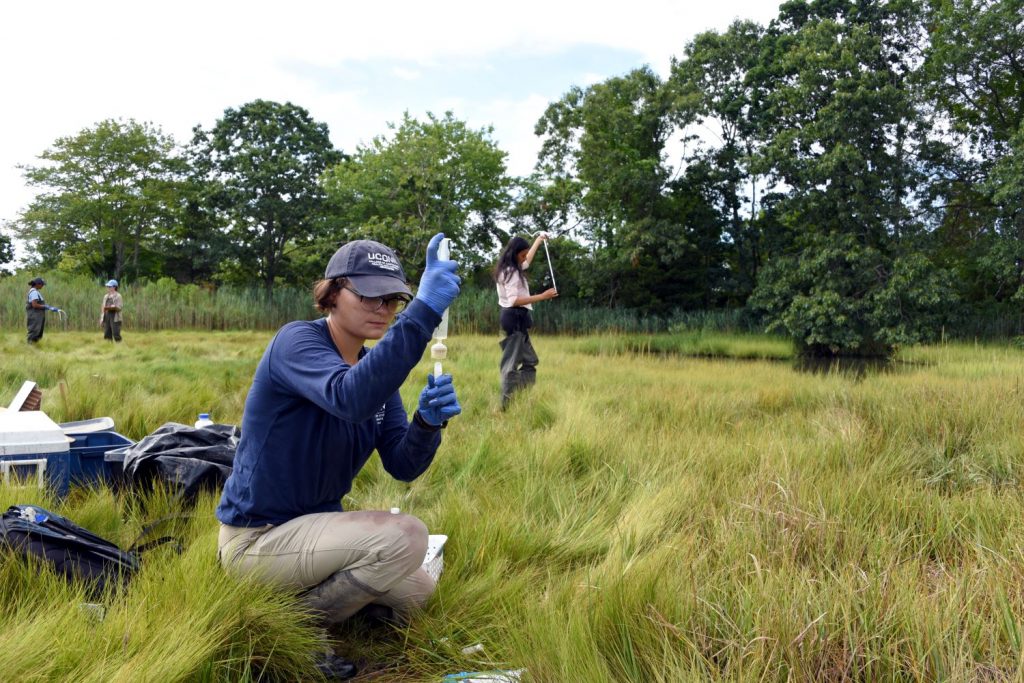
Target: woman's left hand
pixel 438 402
pixel 439 284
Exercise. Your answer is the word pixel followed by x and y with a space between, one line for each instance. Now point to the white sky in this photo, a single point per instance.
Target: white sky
pixel 70 64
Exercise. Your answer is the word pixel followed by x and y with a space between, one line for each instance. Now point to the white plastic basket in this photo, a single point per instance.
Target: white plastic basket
pixel 433 562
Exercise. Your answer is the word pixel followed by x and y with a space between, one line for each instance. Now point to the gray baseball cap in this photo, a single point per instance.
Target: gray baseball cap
pixel 372 268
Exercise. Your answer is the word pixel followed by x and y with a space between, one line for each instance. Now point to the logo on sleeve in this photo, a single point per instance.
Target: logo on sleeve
pixel 379 417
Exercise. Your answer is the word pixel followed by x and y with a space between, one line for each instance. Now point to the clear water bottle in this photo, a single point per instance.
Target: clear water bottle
pixel 204 421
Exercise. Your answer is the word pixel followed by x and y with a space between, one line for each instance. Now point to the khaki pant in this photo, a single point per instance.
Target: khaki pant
pixel 348 558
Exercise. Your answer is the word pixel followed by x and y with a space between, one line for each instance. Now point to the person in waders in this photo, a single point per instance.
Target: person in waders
pixel 518 358
pixel 320 403
pixel 35 310
pixel 110 312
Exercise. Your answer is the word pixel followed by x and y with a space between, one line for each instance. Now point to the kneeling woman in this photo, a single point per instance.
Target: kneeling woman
pixel 320 403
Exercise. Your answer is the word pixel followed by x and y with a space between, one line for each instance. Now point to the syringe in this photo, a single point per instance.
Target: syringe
pixel 439 351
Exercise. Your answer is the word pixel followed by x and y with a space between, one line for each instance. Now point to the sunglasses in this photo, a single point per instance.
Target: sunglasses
pixel 371 304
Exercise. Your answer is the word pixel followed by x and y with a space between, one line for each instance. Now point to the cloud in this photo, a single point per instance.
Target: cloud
pixel 406 74
pixel 353 66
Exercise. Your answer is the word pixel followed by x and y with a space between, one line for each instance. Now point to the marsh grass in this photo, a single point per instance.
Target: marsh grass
pixel 697 343
pixel 635 517
pixel 166 305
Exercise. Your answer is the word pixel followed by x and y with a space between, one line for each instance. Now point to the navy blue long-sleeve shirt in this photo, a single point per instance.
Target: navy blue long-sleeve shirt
pixel 311 421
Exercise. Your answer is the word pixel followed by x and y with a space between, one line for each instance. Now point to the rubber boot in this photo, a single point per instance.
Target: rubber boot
pixel 335 668
pixel 339 597
pixel 507 388
pixel 376 616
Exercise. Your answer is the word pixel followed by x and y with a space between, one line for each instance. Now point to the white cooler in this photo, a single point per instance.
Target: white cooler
pixel 33 451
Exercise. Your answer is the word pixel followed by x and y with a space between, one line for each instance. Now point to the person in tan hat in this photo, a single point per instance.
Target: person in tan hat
pixel 110 312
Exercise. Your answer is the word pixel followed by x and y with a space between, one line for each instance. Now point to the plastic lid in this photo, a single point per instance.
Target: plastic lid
pixel 31 431
pixel 204 416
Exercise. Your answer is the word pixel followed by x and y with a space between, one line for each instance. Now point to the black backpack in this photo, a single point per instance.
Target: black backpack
pixel 74 552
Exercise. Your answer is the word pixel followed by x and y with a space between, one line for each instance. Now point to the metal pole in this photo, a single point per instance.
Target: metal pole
pixel 551 271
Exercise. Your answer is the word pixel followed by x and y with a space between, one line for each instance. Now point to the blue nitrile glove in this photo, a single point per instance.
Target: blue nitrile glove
pixel 439 285
pixel 438 402
pixel 53 308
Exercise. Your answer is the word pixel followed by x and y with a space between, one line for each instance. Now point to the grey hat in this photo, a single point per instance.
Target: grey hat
pixel 372 268
pixel 111 283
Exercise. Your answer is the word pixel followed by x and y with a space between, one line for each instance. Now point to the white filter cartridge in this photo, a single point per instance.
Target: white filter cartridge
pixel 443 254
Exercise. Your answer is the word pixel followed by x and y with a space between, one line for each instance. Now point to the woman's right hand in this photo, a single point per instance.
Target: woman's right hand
pixel 549 293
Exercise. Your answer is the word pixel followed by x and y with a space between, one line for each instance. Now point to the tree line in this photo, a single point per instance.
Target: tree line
pixel 851 173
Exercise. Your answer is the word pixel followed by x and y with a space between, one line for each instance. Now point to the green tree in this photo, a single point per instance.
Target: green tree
pixel 843 125
pixel 196 246
pixel 973 76
pixel 425 177
pixel 719 85
pixel 975 69
pixel 106 193
pixel 6 254
pixel 260 165
pixel 654 243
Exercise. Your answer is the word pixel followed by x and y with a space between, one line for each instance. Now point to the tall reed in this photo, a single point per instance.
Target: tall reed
pixel 476 311
pixel 160 305
pixel 166 305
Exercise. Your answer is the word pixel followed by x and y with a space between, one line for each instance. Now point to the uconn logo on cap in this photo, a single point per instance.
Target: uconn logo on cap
pixel 383 261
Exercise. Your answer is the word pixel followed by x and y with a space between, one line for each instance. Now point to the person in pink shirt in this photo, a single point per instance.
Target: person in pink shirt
pixel 518 358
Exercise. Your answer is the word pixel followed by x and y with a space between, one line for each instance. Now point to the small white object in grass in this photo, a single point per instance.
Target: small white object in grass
pixel 479 647
pixel 93 610
pixel 395 511
pixel 433 561
pixel 511 676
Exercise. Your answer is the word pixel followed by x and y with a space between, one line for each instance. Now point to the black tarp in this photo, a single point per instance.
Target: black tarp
pixel 184 457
